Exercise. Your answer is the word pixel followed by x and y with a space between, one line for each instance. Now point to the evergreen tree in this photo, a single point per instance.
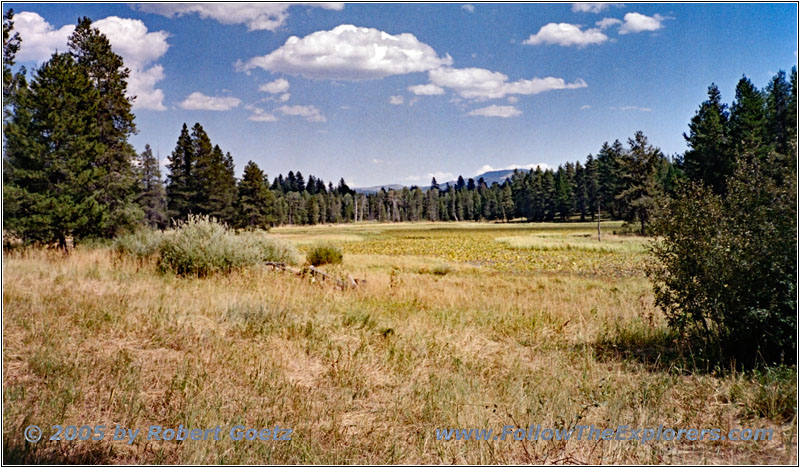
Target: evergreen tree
pixel 592 185
pixel 180 181
pixel 640 186
pixel 778 98
pixel 11 82
pixel 748 123
pixel 53 150
pixel 709 159
pixel 255 200
pixel 152 196
pixel 116 188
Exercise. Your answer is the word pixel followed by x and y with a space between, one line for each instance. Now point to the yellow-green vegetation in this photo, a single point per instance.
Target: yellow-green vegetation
pixel 458 325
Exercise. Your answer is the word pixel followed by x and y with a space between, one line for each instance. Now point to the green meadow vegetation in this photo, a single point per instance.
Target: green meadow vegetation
pixel 471 325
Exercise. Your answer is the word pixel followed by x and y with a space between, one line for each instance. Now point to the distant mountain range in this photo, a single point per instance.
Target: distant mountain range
pixel 489 177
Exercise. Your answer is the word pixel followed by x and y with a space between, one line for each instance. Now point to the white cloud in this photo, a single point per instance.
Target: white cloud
pixel 637 22
pixel 441 176
pixel 513 99
pixel 284 97
pixel 468 7
pixel 348 52
pixel 412 178
pixel 396 100
pixel 257 16
pixel 199 101
pixel 259 114
pixel 138 48
pixel 426 90
pixel 310 113
pixel 129 38
pixel 632 108
pixel 488 168
pixel 377 161
pixel 479 83
pixel 565 34
pixel 39 38
pixel 496 111
pixel 593 7
pixel 584 107
pixel 607 23
pixel 274 87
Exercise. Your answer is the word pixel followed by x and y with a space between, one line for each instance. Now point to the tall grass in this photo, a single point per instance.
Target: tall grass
pixel 363 376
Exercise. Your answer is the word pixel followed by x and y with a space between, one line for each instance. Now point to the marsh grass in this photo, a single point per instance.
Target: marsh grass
pixel 365 376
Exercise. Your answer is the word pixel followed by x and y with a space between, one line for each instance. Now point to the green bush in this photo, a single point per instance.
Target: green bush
pixel 324 254
pixel 725 270
pixel 201 246
pixel 142 243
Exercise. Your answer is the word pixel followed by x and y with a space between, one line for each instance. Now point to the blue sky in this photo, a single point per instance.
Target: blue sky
pixel 396 93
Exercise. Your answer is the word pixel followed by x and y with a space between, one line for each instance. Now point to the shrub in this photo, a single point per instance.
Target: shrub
pixel 142 243
pixel 324 254
pixel 201 246
pixel 725 270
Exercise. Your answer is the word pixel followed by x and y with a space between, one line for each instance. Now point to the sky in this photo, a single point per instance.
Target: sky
pixel 399 93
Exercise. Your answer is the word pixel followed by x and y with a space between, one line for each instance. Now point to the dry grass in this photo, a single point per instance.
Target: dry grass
pixel 452 329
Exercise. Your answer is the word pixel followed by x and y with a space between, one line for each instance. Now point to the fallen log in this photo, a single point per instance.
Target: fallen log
pixel 316 272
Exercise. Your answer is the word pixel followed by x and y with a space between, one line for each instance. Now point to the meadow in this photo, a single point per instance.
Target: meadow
pixel 473 325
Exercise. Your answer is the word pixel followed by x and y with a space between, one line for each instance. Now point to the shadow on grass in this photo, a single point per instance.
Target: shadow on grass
pixel 660 350
pixel 21 452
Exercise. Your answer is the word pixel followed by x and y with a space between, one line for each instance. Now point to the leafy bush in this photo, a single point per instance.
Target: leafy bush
pixel 201 246
pixel 324 254
pixel 725 270
pixel 142 243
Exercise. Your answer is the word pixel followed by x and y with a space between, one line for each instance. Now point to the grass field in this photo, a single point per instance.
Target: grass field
pixel 458 325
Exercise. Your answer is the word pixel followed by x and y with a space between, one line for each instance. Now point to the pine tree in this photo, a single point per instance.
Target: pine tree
pixel 641 190
pixel 180 181
pixel 152 196
pixel 12 82
pixel 748 123
pixel 592 185
pixel 53 150
pixel 608 168
pixel 255 202
pixel 709 158
pixel 779 95
pixel 116 188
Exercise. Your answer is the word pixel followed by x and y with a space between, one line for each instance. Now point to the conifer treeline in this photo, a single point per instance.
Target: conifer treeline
pixel 202 181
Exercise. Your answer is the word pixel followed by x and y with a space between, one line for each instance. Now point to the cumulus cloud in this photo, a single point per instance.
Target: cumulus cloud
pixel 496 111
pixel 426 90
pixel 479 83
pixel 257 16
pixel 637 22
pixel 348 52
pixel 129 38
pixel 39 38
pixel 513 99
pixel 259 115
pixel 607 23
pixel 487 168
pixel 565 34
pixel 138 48
pixel 592 7
pixel 199 101
pixel 275 87
pixel 310 113
pixel 468 7
pixel 396 100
